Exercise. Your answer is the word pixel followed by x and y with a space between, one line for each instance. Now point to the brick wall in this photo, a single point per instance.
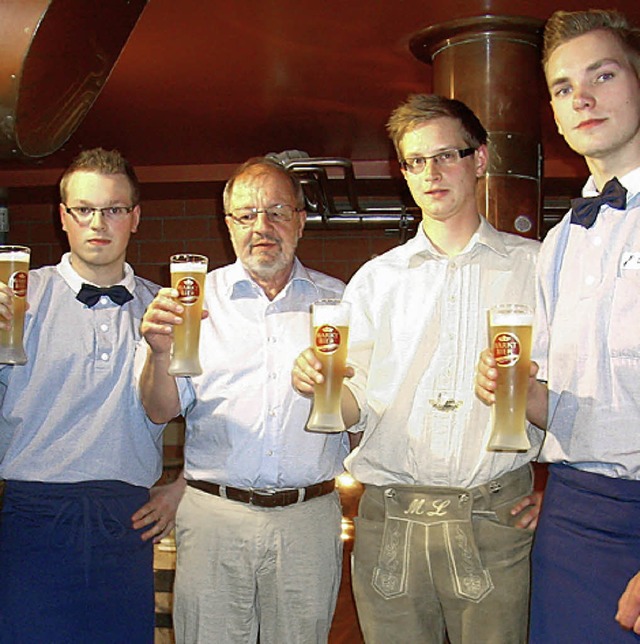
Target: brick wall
pixel 182 217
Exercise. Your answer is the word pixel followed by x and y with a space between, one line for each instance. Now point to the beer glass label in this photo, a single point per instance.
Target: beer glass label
pixel 327 339
pixel 18 283
pixel 506 349
pixel 188 291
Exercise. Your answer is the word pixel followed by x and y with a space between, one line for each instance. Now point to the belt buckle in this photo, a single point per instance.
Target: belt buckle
pixel 256 495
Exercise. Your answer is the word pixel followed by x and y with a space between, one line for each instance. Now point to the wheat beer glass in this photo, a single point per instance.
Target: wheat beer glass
pixel 14 271
pixel 510 340
pixel 187 277
pixel 330 327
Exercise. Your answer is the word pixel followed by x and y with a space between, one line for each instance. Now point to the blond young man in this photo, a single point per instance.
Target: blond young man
pixel 587 344
pixel 442 550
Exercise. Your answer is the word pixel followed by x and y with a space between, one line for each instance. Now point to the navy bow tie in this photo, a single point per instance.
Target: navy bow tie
pixel 584 210
pixel 90 294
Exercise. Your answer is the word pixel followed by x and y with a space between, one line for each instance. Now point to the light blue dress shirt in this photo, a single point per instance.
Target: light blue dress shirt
pixel 245 422
pixel 587 338
pixel 72 413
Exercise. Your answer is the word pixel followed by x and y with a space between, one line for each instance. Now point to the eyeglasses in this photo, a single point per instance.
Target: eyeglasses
pixel 278 214
pixel 84 214
pixel 446 158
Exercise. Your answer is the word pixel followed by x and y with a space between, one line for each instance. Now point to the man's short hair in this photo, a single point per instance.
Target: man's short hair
pixel 101 161
pixel 419 109
pixel 563 26
pixel 268 165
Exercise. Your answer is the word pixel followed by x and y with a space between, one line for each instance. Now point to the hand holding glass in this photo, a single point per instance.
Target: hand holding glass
pixel 510 341
pixel 14 271
pixel 187 277
pixel 330 326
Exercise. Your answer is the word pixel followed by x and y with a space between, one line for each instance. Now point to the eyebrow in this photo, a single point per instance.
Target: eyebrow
pixel 590 68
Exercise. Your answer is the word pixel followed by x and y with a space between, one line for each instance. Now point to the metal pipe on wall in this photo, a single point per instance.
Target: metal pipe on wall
pixel 492 63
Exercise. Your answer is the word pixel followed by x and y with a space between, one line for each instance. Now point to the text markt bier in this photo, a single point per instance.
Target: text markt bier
pixel 510 332
pixel 187 277
pixel 330 340
pixel 14 271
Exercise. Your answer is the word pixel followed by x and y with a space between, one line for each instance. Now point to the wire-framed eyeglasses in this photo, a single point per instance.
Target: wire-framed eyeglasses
pixel 277 214
pixel 445 158
pixel 84 214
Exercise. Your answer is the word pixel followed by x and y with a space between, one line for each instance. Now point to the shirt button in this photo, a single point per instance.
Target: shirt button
pixel 273 375
pixel 270 452
pixel 104 327
pixel 597 241
pixel 104 357
pixel 103 299
pixel 589 280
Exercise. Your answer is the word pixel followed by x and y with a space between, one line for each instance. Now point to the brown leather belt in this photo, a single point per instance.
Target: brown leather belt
pixel 265 498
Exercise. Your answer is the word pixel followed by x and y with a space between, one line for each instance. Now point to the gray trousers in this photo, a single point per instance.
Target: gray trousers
pixel 430 563
pixel 244 571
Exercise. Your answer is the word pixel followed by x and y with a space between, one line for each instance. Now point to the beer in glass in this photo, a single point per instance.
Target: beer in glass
pixel 330 328
pixel 187 277
pixel 14 271
pixel 510 340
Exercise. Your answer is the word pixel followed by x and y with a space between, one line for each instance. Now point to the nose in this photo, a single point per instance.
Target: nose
pixel 97 221
pixel 583 98
pixel 431 170
pixel 262 222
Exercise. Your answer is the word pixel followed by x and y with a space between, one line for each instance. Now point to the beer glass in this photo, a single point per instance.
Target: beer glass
pixel 187 277
pixel 330 326
pixel 14 271
pixel 510 340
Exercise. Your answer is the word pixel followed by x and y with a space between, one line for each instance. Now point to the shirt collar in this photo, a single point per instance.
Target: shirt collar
pixel 421 249
pixel 240 283
pixel 631 181
pixel 75 282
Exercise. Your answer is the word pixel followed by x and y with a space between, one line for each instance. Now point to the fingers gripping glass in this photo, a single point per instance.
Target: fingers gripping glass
pixel 278 214
pixel 84 214
pixel 416 165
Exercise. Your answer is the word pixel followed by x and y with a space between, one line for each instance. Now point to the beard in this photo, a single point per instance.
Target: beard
pixel 266 267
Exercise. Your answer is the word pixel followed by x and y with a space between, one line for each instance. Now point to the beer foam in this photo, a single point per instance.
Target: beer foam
pixel 335 315
pixel 15 256
pixel 188 267
pixel 511 319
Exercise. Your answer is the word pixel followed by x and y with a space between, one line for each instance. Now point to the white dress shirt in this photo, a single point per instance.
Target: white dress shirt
pixel 419 323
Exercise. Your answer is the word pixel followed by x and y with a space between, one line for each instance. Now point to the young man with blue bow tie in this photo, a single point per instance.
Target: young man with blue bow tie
pixel 76 448
pixel 586 391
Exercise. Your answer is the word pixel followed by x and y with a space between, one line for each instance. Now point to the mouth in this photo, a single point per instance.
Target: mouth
pixel 589 124
pixel 98 242
pixel 436 194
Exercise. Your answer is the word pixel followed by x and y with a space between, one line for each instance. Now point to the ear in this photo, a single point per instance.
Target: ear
pixel 135 219
pixel 301 222
pixel 481 159
pixel 62 213
pixel 227 220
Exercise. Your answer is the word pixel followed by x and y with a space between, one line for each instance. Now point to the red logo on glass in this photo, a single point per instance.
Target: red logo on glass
pixel 188 290
pixel 327 339
pixel 18 283
pixel 506 349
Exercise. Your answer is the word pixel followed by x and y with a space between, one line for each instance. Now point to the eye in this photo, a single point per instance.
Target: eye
pixel 605 76
pixel 445 157
pixel 561 91
pixel 115 211
pixel 83 211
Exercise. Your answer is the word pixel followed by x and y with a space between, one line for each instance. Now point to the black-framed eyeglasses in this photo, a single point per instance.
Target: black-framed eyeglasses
pixel 277 214
pixel 416 165
pixel 84 214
